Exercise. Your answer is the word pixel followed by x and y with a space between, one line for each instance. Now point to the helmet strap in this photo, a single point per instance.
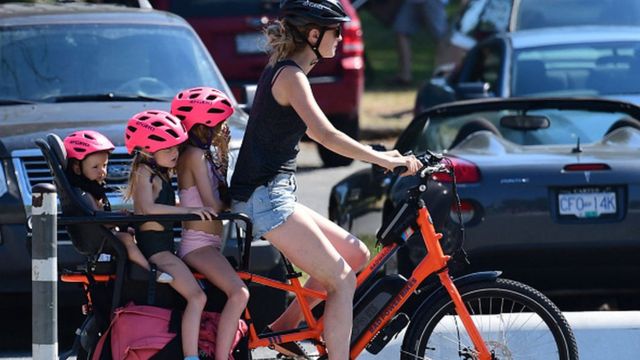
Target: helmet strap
pixel 97 189
pixel 156 169
pixel 316 47
pixel 195 140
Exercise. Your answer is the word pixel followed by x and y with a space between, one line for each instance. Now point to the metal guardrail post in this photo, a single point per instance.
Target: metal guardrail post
pixel 44 272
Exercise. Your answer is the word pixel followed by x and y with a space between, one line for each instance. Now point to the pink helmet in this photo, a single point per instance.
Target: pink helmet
pixel 201 105
pixel 79 144
pixel 153 130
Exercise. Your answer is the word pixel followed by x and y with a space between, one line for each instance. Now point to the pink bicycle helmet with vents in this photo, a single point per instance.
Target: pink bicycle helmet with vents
pixel 153 130
pixel 80 144
pixel 201 105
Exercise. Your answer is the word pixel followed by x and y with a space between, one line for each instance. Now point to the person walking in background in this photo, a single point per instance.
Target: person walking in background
pixel 410 17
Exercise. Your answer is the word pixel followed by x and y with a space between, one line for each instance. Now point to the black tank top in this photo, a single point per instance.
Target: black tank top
pixel 166 197
pixel 271 140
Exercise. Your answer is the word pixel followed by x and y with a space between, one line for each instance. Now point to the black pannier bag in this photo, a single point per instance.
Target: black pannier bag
pixel 399 228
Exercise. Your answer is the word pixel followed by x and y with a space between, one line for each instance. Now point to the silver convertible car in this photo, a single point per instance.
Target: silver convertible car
pixel 549 189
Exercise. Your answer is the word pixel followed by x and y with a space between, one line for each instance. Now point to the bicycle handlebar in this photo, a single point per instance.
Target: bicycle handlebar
pixel 432 163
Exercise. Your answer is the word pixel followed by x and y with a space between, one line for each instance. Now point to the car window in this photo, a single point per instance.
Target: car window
pixel 566 126
pixel 222 8
pixel 481 18
pixel 534 14
pixel 584 69
pixel 41 63
pixel 486 66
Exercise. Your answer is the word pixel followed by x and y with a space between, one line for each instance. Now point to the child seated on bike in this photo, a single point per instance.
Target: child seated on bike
pixel 153 136
pixel 88 154
pixel 203 111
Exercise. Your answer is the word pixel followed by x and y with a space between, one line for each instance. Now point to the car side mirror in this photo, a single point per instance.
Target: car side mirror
pixel 249 95
pixel 473 90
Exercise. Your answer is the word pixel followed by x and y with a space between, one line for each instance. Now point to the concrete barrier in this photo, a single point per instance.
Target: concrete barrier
pixel 601 335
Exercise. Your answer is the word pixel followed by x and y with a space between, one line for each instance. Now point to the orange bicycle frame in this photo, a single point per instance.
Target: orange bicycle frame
pixel 435 262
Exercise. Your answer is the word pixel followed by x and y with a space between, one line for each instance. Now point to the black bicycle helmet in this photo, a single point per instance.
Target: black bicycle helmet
pixel 320 12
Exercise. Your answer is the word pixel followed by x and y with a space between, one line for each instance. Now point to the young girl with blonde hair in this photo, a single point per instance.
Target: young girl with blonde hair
pixel 153 136
pixel 202 170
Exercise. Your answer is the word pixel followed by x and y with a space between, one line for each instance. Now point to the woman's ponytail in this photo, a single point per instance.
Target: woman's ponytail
pixel 283 40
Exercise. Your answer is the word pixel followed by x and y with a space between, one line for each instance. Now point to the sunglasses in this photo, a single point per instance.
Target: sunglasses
pixel 337 30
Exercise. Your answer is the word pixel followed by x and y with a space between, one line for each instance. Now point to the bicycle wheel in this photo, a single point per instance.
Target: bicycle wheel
pixel 515 320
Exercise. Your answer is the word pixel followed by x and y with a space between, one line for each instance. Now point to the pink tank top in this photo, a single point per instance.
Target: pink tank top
pixel 190 197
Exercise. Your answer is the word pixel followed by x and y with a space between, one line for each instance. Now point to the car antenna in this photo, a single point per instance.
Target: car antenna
pixel 577 149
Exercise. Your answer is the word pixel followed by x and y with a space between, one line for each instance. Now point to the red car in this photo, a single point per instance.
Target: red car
pixel 232 31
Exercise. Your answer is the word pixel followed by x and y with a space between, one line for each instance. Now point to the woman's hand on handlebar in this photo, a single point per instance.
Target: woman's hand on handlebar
pixel 409 163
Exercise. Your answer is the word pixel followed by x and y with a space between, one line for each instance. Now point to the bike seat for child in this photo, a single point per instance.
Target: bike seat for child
pixel 87 238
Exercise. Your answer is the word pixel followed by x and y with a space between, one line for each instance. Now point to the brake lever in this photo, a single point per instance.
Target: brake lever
pixel 432 169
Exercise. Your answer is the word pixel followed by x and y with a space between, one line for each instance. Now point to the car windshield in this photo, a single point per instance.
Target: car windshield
pixel 101 62
pixel 565 127
pixel 533 14
pixel 583 69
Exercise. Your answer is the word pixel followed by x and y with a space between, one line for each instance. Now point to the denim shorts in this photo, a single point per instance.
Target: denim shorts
pixel 270 205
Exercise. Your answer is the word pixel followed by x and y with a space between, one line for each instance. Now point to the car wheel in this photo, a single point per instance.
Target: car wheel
pixel 349 126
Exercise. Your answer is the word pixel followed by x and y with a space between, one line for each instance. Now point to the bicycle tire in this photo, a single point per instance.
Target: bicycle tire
pixel 498 310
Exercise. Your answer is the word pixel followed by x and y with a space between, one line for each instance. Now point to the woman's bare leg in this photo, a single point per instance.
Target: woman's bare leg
pixel 185 284
pixel 353 250
pixel 303 242
pixel 215 267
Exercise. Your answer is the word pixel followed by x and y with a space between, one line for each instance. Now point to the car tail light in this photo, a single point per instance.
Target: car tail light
pixel 466 172
pixel 352 46
pixel 467 211
pixel 586 167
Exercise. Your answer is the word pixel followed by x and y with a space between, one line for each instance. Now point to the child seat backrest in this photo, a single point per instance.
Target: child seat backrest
pixel 88 239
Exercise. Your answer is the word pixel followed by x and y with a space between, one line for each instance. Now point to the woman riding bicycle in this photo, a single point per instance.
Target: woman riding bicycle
pixel 263 182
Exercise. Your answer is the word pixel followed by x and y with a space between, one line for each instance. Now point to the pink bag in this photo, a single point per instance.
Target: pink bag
pixel 209 330
pixel 138 332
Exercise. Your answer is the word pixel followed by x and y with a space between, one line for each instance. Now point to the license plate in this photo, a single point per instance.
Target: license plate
pixel 587 204
pixel 251 43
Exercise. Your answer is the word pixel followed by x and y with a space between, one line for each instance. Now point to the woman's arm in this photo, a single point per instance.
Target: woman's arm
pixel 292 88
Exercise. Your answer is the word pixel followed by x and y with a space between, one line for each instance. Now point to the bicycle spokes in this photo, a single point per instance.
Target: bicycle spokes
pixel 509 328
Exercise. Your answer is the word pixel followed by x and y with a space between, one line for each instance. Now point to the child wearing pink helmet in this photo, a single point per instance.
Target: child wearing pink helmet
pixel 203 112
pixel 153 136
pixel 88 154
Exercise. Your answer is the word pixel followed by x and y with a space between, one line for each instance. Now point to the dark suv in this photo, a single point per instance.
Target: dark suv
pixel 232 31
pixel 65 67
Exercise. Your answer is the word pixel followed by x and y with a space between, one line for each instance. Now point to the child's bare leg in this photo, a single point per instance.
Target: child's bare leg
pixel 215 267
pixel 133 252
pixel 185 284
pixel 135 255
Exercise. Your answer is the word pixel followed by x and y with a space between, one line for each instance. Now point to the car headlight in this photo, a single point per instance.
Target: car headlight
pixel 3 181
